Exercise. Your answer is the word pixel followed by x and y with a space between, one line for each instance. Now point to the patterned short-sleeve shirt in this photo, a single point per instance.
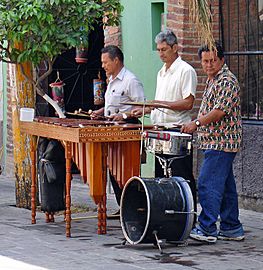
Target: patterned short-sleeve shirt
pixel 221 92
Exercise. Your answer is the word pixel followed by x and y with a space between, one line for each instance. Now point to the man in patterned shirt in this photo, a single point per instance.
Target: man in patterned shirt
pixel 219 134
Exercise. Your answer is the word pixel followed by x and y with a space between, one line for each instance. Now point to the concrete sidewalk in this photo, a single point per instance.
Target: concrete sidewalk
pixel 45 246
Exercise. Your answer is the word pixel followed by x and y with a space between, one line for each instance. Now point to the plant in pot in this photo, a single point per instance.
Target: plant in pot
pixel 82 51
pixel 36 32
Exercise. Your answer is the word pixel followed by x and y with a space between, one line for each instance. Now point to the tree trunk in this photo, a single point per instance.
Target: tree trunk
pixel 24 97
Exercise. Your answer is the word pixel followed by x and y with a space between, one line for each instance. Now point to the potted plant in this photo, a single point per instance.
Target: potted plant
pixel 45 29
pixel 82 51
pixel 35 32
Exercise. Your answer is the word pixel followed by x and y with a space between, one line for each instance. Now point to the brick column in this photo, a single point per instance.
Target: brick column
pixel 113 36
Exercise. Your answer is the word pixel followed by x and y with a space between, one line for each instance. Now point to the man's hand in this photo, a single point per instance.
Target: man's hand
pixel 189 128
pixel 96 114
pixel 138 111
pixel 116 117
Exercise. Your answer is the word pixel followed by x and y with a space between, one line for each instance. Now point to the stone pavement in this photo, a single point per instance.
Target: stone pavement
pixel 45 246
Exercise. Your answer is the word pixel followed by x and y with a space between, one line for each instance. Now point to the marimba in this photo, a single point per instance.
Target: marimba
pixel 94 146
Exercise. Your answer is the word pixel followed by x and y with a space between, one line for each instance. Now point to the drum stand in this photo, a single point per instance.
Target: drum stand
pixel 166 164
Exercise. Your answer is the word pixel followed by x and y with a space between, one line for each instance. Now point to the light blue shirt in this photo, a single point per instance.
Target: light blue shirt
pixel 125 87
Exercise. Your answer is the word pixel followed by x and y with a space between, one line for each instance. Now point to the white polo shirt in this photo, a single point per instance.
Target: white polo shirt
pixel 177 83
pixel 125 87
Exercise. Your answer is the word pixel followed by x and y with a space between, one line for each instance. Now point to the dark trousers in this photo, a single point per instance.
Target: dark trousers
pixel 117 190
pixel 182 167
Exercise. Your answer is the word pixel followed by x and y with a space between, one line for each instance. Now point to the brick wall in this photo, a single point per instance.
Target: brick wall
pixel 113 36
pixel 178 20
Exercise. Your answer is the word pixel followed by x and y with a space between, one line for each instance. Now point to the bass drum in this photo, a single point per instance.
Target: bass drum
pixel 161 206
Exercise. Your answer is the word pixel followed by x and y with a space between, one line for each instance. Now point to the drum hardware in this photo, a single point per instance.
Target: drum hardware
pixel 168 126
pixel 169 221
pixel 168 142
pixel 142 132
pixel 166 164
pixel 124 242
pixel 158 242
pixel 141 209
pixel 172 212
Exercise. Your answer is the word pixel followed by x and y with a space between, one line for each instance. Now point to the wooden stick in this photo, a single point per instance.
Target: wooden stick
pixel 78 114
pixel 89 112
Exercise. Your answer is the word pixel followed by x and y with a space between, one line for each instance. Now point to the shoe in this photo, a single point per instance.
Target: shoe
pixel 222 236
pixel 200 236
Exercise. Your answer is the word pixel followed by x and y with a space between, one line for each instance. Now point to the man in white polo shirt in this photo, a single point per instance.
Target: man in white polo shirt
pixel 123 86
pixel 175 89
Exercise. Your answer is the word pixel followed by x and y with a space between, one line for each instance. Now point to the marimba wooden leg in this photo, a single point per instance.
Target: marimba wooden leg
pixel 68 187
pixel 102 206
pixel 33 176
pixel 102 216
pixel 100 210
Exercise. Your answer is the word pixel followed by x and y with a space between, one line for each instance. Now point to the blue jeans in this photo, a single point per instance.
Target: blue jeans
pixel 217 194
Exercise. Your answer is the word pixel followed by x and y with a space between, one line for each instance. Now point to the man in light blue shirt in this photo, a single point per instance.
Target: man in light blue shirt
pixel 123 86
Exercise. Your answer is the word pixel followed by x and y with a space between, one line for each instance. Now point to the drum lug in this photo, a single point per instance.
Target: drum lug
pixel 169 212
pixel 172 212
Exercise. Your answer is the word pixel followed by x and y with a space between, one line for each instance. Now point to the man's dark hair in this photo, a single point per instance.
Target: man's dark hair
pixel 219 48
pixel 113 52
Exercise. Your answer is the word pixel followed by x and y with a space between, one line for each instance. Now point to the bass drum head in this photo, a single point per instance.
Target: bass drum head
pixel 134 210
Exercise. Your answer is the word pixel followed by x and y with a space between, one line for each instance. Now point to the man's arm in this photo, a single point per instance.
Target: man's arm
pixel 214 116
pixel 179 105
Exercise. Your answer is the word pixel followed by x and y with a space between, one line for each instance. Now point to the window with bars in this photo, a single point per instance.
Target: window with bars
pixel 241 32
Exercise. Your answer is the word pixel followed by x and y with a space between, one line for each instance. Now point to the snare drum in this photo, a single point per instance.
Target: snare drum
pixel 168 142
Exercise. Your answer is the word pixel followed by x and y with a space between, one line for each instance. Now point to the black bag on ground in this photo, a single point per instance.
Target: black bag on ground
pixel 52 174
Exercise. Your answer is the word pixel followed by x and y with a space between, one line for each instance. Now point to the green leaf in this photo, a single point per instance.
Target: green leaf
pixel 48 27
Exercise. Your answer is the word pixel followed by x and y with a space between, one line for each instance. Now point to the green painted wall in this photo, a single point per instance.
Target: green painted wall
pixel 137 37
pixel 141 21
